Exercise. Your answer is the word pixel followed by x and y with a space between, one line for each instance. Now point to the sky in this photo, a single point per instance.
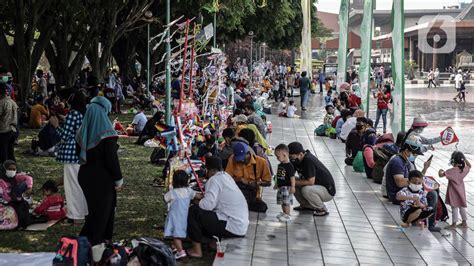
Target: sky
pixel 332 6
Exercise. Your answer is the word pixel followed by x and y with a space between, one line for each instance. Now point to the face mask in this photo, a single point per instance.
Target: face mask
pixel 10 173
pixel 414 187
pixel 411 158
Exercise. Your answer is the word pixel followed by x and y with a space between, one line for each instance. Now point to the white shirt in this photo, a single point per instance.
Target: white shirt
pixel 458 80
pixel 225 199
pixel 281 108
pixel 347 127
pixel 140 120
pixel 290 111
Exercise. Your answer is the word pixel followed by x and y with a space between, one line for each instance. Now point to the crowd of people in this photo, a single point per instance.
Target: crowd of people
pixel 76 129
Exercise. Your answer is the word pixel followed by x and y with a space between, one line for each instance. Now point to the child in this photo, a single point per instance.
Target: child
pixel 178 200
pixel 52 205
pixel 456 193
pixel 413 202
pixel 329 115
pixel 285 182
pixel 328 98
pixel 282 107
pixel 291 109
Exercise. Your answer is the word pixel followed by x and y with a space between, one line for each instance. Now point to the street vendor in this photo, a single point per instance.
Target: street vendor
pixel 249 172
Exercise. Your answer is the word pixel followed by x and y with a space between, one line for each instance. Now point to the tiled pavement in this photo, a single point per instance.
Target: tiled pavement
pixel 362 227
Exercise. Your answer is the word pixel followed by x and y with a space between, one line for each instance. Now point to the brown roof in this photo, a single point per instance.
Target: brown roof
pixel 329 20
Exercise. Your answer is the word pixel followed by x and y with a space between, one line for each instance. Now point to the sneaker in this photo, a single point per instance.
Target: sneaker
pixel 434 229
pixel 285 218
pixel 180 254
pixel 280 215
pixel 320 212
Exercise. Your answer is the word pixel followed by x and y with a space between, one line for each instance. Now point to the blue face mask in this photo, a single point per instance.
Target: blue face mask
pixel 411 158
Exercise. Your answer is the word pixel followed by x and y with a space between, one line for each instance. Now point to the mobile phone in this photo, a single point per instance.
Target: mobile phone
pixel 431 157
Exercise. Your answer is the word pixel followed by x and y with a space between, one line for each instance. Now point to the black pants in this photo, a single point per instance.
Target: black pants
pixel 99 223
pixel 7 141
pixel 320 87
pixel 202 223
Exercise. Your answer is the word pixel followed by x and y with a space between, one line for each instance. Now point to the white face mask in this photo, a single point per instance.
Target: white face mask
pixel 414 187
pixel 10 173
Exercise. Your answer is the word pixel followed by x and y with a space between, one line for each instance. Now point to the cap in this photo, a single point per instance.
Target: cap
pixel 295 148
pixel 240 151
pixel 239 119
pixel 419 121
pixel 413 143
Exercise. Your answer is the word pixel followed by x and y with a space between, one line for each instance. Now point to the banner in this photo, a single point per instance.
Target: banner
pixel 306 61
pixel 366 54
pixel 398 67
pixel 342 51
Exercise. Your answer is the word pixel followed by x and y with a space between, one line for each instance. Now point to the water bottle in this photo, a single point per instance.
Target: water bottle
pixel 115 259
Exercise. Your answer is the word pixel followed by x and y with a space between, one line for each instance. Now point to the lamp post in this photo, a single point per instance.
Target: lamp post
pixel 148 16
pixel 264 45
pixel 251 56
pixel 168 68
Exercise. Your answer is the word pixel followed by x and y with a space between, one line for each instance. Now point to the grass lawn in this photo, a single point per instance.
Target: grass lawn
pixel 140 205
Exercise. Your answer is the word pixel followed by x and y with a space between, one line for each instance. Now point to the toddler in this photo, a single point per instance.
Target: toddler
pixel 52 205
pixel 291 109
pixel 456 193
pixel 178 200
pixel 285 182
pixel 282 107
pixel 328 98
pixel 329 117
pixel 413 202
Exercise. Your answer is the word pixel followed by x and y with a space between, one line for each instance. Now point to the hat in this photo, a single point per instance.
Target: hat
pixel 371 139
pixel 240 151
pixel 295 148
pixel 459 71
pixel 239 119
pixel 345 86
pixel 413 143
pixel 419 121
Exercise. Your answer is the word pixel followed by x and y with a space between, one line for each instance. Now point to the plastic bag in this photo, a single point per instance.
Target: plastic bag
pixel 358 163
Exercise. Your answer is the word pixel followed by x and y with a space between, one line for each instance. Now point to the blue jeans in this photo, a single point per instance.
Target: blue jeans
pixel 432 198
pixel 304 98
pixel 383 113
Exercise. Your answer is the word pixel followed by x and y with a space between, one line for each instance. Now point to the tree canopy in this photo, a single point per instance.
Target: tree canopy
pixel 67 31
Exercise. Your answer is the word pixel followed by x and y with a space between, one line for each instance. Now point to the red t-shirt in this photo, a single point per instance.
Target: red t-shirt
pixel 354 101
pixel 383 100
pixel 53 207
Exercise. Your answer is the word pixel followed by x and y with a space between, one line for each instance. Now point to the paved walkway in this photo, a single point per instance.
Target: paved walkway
pixel 362 227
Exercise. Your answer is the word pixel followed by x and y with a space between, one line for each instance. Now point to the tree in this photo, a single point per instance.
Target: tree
pixel 71 40
pixel 21 45
pixel 118 18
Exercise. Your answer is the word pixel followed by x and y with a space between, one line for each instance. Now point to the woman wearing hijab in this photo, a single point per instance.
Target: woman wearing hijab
pixel 13 187
pixel 99 175
pixel 76 202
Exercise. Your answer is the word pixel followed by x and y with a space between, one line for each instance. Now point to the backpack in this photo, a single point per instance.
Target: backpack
pixel 153 252
pixel 109 252
pixel 381 157
pixel 441 210
pixel 358 163
pixel 73 251
pixel 157 154
pixel 8 218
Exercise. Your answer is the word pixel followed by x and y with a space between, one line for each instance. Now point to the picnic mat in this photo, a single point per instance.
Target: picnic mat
pixel 27 259
pixel 41 227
